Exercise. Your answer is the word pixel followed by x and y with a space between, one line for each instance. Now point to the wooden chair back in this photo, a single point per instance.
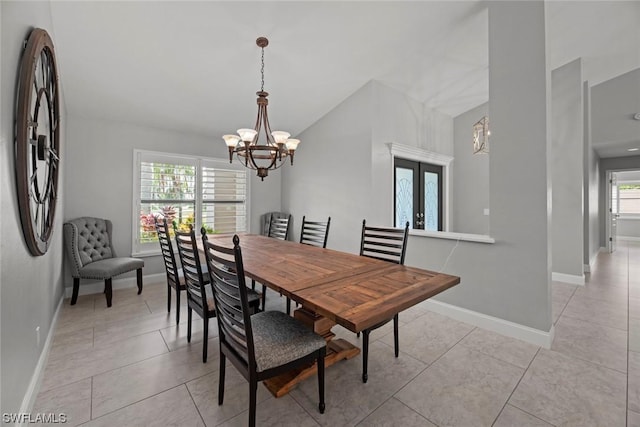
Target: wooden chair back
pixel 191 268
pixel 315 233
pixel 384 243
pixel 168 256
pixel 279 227
pixel 226 272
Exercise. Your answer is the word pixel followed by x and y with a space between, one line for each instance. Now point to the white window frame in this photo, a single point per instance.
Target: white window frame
pixel 627 215
pixel 153 249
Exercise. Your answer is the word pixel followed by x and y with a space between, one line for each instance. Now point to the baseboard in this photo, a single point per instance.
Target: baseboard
pixel 495 324
pixel 36 379
pixel 588 268
pixel 629 238
pixel 603 249
pixel 124 283
pixel 573 279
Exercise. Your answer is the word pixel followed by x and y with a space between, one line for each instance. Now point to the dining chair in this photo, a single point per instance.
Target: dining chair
pixel 386 244
pixel 261 346
pixel 313 233
pixel 170 265
pixel 199 295
pixel 278 229
pixel 89 247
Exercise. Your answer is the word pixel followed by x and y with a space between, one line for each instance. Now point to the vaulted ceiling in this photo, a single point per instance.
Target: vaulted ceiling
pixel 194 66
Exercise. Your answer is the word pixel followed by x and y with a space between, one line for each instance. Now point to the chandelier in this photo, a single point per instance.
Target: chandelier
pixel 276 147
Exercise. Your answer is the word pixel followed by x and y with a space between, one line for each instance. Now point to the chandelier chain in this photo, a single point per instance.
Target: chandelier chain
pixel 262 72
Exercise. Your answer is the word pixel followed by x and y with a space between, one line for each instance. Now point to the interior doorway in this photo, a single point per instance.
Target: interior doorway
pixel 623 207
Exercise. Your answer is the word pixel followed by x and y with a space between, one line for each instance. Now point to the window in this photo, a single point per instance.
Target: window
pixel 629 198
pixel 418 195
pixel 189 190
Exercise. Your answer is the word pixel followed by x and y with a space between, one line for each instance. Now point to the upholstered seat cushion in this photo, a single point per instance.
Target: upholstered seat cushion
pixel 106 268
pixel 279 339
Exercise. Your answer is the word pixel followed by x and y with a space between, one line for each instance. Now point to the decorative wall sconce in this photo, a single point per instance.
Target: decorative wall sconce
pixel 481 134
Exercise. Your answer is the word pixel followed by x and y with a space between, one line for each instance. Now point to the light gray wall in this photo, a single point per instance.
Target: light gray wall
pixel 332 172
pixel 400 119
pixel 567 169
pixel 591 221
pixel 628 227
pixel 30 287
pixel 470 176
pixel 100 175
pixel 613 104
pixel 606 165
pixel 509 279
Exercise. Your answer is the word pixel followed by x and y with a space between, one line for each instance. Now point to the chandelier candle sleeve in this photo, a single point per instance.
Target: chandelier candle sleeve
pixel 276 146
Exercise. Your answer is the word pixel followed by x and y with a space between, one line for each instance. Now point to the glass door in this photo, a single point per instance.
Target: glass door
pixel 418 195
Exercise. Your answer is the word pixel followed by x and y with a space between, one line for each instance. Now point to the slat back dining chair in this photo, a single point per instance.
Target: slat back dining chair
pixel 197 298
pixel 278 229
pixel 387 244
pixel 196 279
pixel 261 346
pixel 170 265
pixel 312 233
pixel 315 233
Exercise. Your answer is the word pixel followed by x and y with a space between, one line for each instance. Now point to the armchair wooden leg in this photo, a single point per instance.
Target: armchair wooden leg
pixel 108 290
pixel 264 296
pixel 76 288
pixel 139 280
pixel 288 305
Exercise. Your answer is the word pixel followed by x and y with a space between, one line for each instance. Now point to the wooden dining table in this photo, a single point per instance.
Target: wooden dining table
pixel 333 287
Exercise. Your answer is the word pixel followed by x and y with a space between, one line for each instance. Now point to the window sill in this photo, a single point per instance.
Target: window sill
pixel 465 237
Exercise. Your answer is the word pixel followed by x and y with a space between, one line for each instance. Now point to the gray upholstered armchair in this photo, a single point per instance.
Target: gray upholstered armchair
pixel 91 255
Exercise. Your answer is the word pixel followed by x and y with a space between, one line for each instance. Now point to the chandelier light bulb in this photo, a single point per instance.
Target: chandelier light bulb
pixel 231 140
pixel 247 135
pixel 280 136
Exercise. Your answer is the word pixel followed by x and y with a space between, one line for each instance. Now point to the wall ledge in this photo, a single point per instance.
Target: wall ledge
pixel 465 237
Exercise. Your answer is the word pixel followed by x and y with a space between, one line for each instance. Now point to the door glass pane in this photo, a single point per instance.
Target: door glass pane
pixel 404 197
pixel 431 201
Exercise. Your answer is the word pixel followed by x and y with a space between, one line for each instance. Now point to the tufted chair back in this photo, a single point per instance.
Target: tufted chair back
pixel 87 240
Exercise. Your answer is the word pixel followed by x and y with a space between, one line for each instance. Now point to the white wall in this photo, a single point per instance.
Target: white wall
pixel 567 169
pixel 470 176
pixel 100 175
pixel 30 287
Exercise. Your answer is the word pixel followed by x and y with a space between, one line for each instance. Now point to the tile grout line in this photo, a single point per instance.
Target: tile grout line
pixel 436 359
pixel 194 403
pixel 515 388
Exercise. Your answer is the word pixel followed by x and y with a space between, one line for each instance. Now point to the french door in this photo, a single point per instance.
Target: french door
pixel 418 195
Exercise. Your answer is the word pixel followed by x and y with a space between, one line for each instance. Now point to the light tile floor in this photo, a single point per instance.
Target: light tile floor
pixel 131 365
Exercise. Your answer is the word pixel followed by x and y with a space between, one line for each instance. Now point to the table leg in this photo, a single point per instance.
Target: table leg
pixel 337 349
